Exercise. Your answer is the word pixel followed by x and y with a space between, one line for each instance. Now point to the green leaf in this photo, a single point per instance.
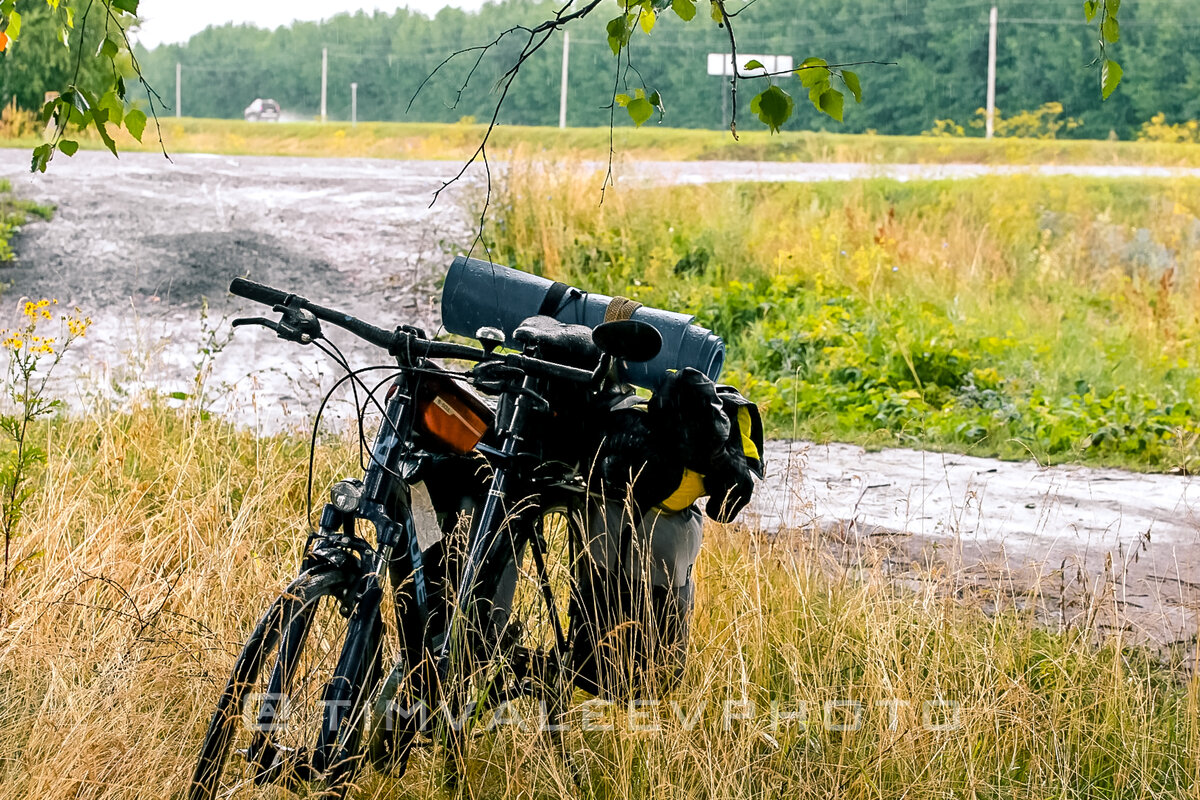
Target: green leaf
pixel 68 147
pixel 48 110
pixel 622 100
pixel 109 48
pixel 14 25
pixel 851 80
pixel 640 110
pixel 753 63
pixel 830 102
pixel 813 71
pixel 1112 6
pixel 112 107
pixel 1090 7
pixel 41 157
pixel 619 30
pixel 98 119
pixel 126 5
pixel 76 99
pixel 656 100
pixel 684 9
pixel 773 106
pixel 135 123
pixel 1110 77
pixel 714 11
pixel 1110 30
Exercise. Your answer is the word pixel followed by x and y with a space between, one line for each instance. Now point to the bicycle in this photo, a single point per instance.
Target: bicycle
pixel 312 674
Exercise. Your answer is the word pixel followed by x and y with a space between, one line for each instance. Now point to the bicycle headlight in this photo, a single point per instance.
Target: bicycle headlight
pixel 346 495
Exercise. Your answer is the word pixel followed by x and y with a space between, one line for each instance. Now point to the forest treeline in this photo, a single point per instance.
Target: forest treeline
pixel 938 48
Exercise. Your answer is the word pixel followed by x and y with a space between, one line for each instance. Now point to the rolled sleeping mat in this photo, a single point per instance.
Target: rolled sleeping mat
pixel 478 294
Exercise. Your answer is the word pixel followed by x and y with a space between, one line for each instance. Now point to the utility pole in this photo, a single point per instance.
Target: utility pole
pixel 178 88
pixel 991 74
pixel 324 78
pixel 354 104
pixel 562 102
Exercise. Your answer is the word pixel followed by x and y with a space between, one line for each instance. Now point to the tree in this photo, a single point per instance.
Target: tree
pixel 91 80
pixel 100 61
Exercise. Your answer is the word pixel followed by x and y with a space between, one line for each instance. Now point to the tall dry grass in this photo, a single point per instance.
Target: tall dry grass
pixel 157 537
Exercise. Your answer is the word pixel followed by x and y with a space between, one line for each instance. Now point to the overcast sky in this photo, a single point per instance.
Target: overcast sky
pixel 168 21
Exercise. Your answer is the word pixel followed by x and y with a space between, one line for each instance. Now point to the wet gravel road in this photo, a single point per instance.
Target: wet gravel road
pixel 138 242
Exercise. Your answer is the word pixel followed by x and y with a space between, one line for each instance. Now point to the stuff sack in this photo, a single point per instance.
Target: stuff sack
pixel 633 599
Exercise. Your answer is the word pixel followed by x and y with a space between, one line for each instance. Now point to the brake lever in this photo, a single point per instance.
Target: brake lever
pixel 601 372
pixel 494 377
pixel 298 324
pixel 263 321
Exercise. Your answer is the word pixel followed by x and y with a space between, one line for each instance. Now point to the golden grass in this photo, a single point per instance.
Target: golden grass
pixel 404 140
pixel 156 538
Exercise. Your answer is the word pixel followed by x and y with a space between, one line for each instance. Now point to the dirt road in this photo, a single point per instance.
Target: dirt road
pixel 137 244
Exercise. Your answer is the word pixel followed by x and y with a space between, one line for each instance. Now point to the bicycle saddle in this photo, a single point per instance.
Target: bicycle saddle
pixel 558 341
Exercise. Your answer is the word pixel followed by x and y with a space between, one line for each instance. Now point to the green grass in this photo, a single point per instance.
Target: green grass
pixel 1048 317
pixel 156 537
pixel 447 141
pixel 15 212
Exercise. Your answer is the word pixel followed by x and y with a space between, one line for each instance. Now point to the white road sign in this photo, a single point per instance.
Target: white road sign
pixel 722 64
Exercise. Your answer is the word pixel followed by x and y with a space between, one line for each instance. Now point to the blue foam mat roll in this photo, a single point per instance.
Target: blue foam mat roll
pixel 479 294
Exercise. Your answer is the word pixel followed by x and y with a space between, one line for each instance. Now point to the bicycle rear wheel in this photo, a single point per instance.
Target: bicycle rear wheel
pixel 275 713
pixel 522 649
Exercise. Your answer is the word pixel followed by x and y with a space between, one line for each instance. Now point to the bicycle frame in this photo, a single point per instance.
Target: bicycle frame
pixel 386 504
pixel 344 572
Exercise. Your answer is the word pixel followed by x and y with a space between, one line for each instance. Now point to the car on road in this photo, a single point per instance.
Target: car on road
pixel 262 111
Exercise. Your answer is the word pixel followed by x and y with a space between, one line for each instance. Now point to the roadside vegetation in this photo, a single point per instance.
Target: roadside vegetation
pixel 155 536
pixel 15 212
pixel 1053 318
pixel 403 140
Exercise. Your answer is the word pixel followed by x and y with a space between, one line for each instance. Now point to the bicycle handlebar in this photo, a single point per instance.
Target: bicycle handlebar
pixel 258 292
pixel 400 342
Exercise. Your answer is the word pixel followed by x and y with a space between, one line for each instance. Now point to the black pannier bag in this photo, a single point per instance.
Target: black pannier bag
pixel 644 530
pixel 634 598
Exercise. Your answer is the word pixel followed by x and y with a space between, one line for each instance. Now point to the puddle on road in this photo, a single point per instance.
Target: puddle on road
pixel 1073 535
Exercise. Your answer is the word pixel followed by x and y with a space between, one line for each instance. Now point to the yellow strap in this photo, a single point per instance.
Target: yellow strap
pixel 690 489
pixel 745 427
pixel 620 308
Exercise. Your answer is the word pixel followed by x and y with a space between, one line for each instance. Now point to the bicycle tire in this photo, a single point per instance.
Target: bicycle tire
pixel 345 699
pixel 287 624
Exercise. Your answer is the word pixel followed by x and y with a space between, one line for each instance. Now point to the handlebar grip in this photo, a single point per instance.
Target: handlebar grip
pixel 257 292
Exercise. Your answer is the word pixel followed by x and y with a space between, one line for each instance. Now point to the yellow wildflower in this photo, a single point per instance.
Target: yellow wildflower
pixel 78 326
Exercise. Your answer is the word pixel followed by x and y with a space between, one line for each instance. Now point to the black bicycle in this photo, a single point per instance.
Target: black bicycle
pixel 323 684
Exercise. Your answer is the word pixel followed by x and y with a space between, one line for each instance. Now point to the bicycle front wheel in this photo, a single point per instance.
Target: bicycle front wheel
pixel 274 713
